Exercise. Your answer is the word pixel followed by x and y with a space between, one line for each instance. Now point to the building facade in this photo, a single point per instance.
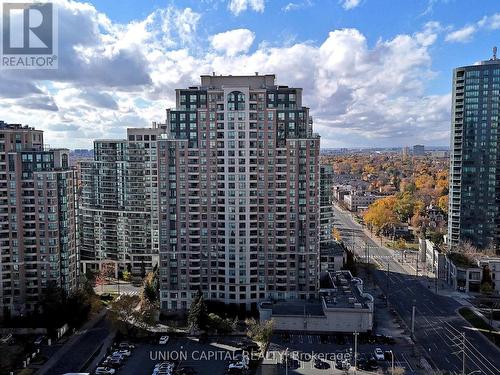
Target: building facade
pixel 342 306
pixel 418 150
pixel 38 243
pixel 239 194
pixel 326 203
pixel 358 200
pixel 475 156
pixel 119 213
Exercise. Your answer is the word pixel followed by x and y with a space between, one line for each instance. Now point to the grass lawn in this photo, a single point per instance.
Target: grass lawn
pixel 480 324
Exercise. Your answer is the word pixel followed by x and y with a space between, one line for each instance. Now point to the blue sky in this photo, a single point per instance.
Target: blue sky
pixel 374 72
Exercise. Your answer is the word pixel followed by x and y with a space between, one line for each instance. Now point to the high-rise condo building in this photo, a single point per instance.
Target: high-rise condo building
pixel 38 243
pixel 239 194
pixel 418 150
pixel 326 203
pixel 474 204
pixel 119 204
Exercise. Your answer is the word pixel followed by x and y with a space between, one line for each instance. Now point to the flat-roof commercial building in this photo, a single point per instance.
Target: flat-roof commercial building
pixel 343 306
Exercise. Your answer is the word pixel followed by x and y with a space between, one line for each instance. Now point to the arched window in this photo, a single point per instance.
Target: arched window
pixel 236 101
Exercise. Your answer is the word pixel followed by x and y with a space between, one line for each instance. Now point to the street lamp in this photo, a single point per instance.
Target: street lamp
pixel 392 360
pixel 286 361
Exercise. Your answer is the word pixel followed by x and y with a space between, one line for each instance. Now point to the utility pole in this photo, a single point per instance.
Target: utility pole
pixel 416 271
pixel 463 353
pixel 355 350
pixel 413 320
pixel 387 292
pixel 436 281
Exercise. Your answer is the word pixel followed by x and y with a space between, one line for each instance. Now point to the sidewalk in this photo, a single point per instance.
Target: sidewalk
pixel 108 341
pixel 65 349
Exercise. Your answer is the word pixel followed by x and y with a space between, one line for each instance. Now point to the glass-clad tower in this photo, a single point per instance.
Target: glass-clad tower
pixel 474 202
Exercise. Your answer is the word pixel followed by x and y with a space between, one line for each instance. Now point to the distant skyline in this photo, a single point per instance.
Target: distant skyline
pixel 370 81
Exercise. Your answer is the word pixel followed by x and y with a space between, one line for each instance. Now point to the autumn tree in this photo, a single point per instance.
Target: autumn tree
pixel 336 234
pixel 380 213
pixel 261 332
pixel 442 203
pixel 404 206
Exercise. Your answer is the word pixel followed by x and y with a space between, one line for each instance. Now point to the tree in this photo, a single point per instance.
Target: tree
pixel 198 316
pixel 127 276
pixel 380 213
pixel 442 203
pixel 404 206
pixel 336 234
pixel 150 292
pixel 124 312
pixel 221 325
pixel 261 332
pixel 486 288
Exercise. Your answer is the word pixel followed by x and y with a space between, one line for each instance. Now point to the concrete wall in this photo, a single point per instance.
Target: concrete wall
pixel 338 321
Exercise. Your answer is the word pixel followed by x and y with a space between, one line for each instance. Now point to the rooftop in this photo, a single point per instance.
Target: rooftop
pixel 6 126
pixel 252 81
pixel 342 290
pixel 332 248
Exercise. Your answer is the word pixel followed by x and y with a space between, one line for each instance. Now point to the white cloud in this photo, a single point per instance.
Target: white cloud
pixel 350 4
pixel 233 41
pixel 297 5
pixel 113 76
pixel 466 33
pixel 238 6
pixel 490 22
pixel 461 35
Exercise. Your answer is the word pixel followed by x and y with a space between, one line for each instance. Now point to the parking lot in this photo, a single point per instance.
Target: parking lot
pixel 211 357
pixel 328 348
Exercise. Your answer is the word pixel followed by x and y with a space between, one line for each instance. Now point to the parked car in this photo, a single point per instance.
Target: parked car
pixel 39 340
pixel 126 345
pixel 104 371
pixel 164 340
pixel 379 354
pixel 109 362
pixel 7 339
pixel 237 365
pixel 124 352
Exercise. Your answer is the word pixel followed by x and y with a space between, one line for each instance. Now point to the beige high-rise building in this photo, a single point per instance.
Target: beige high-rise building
pixel 38 243
pixel 239 194
pixel 119 211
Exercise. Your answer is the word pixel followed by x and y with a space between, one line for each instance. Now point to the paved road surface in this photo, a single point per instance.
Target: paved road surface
pixel 438 328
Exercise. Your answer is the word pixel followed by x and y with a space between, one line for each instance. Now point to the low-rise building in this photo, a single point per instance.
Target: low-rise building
pixel 342 306
pixel 332 256
pixel 429 254
pixel 358 200
pixel 340 191
pixel 460 272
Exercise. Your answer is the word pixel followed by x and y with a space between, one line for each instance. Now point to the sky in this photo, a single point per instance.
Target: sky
pixel 375 73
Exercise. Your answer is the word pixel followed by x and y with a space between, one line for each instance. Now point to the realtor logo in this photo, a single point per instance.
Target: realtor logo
pixel 29 36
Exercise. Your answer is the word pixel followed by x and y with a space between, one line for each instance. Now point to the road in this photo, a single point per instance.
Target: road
pixel 88 341
pixel 438 328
